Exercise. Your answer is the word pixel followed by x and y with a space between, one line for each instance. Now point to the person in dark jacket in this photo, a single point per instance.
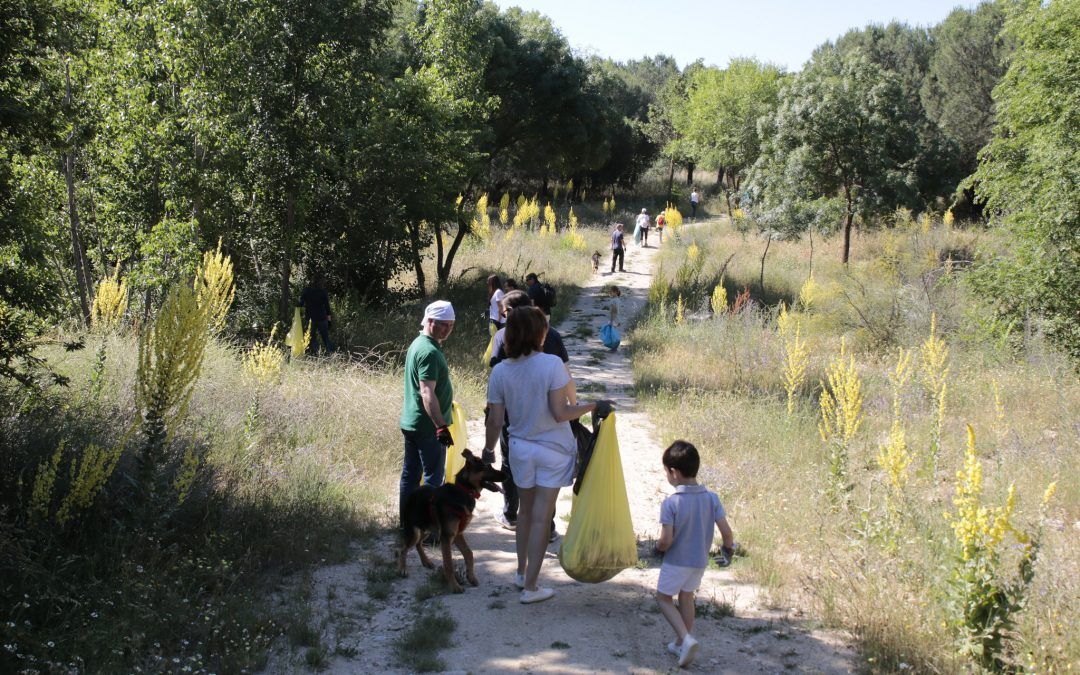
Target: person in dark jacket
pixel 316 304
pixel 536 293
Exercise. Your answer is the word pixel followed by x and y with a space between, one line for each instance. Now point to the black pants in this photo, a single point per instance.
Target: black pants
pixel 617 254
pixel 323 329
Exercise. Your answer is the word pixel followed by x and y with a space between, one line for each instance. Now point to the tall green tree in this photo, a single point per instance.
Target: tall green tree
pixel 300 81
pixel 720 122
pixel 842 130
pixel 1030 171
pixel 33 36
pixel 968 61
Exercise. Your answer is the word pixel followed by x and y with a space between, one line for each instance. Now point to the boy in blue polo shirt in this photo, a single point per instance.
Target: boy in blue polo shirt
pixel 686 518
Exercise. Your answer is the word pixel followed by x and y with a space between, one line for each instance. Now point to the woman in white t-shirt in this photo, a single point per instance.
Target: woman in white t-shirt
pixel 495 294
pixel 533 388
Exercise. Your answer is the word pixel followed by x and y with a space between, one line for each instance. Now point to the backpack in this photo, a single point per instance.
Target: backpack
pixel 550 295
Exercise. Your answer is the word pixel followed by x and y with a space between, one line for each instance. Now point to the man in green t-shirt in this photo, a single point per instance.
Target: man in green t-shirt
pixel 429 397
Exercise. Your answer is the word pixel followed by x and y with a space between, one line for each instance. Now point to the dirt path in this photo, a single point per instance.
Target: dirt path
pixel 609 627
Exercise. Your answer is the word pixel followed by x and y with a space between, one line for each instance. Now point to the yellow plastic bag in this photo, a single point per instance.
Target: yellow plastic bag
pixel 487 352
pixel 295 338
pixel 600 541
pixel 454 461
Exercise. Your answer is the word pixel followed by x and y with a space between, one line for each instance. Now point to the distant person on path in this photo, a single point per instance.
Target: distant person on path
pixel 534 389
pixel 429 398
pixel 686 520
pixel 553 344
pixel 537 293
pixel 641 225
pixel 646 225
pixel 694 198
pixel 615 305
pixel 660 222
pixel 618 249
pixel 316 303
pixel 495 296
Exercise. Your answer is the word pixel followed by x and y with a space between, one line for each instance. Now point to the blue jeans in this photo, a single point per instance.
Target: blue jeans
pixel 425 457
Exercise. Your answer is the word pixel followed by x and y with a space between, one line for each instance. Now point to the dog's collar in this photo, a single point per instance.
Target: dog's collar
pixel 475 494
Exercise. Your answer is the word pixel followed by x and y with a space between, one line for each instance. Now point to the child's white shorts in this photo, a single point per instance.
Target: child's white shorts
pixel 535 464
pixel 675 579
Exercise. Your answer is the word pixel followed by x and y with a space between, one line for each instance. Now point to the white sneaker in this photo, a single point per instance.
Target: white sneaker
pixel 674 648
pixel 519 580
pixel 500 518
pixel 539 595
pixel 689 649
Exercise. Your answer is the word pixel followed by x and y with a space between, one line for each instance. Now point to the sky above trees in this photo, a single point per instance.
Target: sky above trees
pixel 783 32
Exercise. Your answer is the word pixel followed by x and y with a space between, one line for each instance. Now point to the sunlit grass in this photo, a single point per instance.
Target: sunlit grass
pixel 877 566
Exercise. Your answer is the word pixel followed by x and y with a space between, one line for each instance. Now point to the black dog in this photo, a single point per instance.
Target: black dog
pixel 447 509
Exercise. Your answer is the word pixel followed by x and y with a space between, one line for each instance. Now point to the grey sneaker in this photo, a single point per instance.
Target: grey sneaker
pixel 674 648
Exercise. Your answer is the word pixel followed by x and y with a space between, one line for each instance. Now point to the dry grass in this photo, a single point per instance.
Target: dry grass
pixel 717 381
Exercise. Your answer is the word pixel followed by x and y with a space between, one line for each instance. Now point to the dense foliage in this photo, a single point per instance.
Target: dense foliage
pixel 1030 172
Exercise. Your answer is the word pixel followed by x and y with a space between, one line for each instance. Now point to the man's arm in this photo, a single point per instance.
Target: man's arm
pixel 725 532
pixel 431 402
pixel 496 415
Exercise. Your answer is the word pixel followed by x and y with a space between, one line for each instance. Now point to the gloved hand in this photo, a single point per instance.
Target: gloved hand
pixel 727 554
pixel 442 434
pixel 603 408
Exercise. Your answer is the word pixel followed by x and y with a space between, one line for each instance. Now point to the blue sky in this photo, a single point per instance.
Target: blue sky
pixel 783 32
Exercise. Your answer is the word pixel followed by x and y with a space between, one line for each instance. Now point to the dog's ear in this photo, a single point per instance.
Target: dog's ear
pixel 467 454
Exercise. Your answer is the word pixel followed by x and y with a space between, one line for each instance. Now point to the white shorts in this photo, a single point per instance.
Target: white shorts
pixel 675 579
pixel 535 464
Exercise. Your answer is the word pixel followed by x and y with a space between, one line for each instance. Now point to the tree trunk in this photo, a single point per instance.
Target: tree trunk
pixel 689 173
pixel 418 262
pixel 670 178
pixel 81 265
pixel 463 229
pixel 847 235
pixel 849 217
pixel 761 278
pixel 82 278
pixel 285 302
pixel 438 251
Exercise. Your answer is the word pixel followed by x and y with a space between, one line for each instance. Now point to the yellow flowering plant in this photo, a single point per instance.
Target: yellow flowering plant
pixel 214 288
pixel 796 359
pixel 171 352
pixel 718 301
pixel 110 302
pixel 841 416
pixel 984 597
